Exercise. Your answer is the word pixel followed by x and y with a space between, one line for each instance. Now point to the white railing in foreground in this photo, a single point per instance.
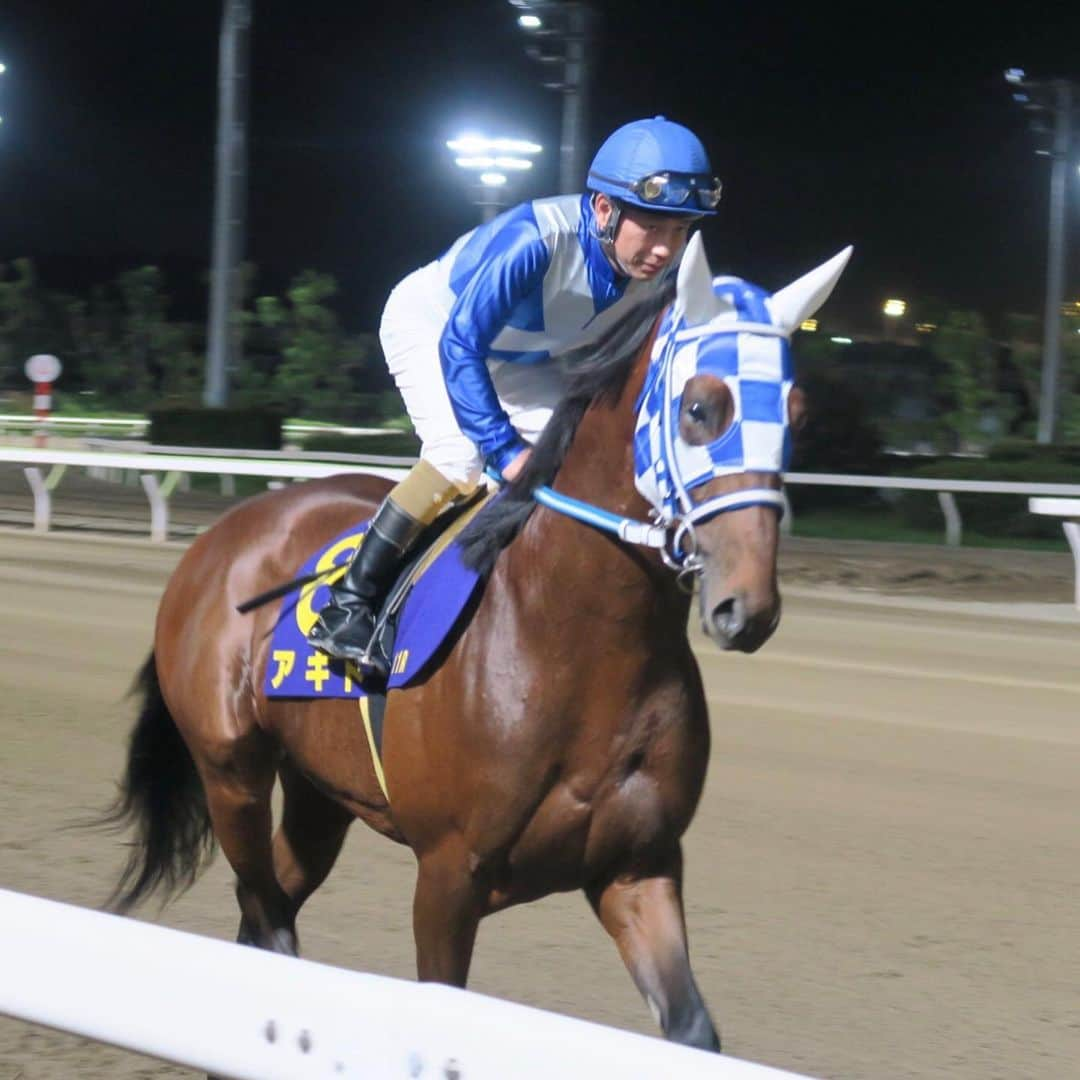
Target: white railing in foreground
pixel 243 1013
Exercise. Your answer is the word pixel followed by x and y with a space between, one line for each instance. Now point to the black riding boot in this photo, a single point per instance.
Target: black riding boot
pixel 345 626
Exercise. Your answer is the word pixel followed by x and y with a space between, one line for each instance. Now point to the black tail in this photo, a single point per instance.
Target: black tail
pixel 161 797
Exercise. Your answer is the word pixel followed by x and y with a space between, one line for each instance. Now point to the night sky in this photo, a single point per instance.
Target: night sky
pixel 889 129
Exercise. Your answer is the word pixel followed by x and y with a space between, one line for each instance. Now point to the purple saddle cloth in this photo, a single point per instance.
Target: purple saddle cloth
pixel 430 612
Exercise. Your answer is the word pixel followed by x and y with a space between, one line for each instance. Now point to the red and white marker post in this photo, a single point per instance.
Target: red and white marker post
pixel 42 370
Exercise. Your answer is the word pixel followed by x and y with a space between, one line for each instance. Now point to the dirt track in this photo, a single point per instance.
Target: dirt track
pixel 882 877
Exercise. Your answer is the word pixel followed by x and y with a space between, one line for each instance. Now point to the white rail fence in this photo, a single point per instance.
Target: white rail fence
pixel 1069 511
pixel 239 1012
pixel 57 424
pixel 148 467
pixel 149 463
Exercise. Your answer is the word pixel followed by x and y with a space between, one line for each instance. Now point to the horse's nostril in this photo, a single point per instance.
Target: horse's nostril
pixel 729 617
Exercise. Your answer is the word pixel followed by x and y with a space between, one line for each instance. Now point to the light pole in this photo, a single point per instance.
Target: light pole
pixel 1056 98
pixel 565 23
pixel 490 163
pixel 3 68
pixel 230 191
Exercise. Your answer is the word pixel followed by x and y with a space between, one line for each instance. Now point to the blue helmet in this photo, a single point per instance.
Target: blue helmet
pixel 658 165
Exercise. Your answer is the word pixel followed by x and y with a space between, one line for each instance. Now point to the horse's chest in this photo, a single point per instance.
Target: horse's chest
pixel 608 807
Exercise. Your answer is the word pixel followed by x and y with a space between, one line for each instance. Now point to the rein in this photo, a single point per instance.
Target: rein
pixel 676 540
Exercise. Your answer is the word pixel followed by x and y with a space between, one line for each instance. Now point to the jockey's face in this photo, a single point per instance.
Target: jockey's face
pixel 645 242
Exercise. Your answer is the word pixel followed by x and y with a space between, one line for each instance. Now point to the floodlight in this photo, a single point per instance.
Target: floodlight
pixel 472 145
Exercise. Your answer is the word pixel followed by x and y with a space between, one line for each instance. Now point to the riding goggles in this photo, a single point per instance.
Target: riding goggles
pixel 673 189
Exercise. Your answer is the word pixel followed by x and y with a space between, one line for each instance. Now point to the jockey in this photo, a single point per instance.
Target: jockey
pixel 475 339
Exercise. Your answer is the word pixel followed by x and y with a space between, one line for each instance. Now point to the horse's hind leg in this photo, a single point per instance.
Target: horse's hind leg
pixel 238 776
pixel 645 917
pixel 309 838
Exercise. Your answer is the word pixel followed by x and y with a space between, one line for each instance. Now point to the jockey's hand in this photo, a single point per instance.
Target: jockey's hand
pixel 513 470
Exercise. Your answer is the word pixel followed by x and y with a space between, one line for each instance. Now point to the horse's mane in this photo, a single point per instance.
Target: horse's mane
pixel 600 372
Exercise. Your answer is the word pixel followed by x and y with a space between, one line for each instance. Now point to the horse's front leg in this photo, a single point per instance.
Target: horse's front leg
pixel 447 908
pixel 644 914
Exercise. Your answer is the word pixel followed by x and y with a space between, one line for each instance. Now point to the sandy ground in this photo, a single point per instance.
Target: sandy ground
pixel 881 878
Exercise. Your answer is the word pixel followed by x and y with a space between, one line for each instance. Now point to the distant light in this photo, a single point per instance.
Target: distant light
pixel 1021 98
pixel 487 162
pixel 925 327
pixel 1014 76
pixel 493 179
pixel 529 22
pixel 479 144
pixel 840 340
pixel 894 308
pixel 809 325
pixel 3 68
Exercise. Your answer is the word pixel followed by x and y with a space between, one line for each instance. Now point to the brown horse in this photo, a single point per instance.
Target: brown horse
pixel 561 744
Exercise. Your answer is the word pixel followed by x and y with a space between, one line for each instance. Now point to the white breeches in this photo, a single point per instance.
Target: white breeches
pixel 410 330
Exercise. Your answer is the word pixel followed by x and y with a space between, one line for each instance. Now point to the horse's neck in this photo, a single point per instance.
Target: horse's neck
pixel 625 582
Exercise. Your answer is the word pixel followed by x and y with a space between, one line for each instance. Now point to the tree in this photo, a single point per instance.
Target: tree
pixel 978 413
pixel 20 319
pixel 311 376
pixel 1025 358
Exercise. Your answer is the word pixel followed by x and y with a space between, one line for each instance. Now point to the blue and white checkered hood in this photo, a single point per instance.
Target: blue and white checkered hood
pixel 735 331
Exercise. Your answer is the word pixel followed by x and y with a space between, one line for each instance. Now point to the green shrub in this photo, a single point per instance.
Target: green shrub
pixel 394 444
pixel 1027 451
pixel 237 429
pixel 837 437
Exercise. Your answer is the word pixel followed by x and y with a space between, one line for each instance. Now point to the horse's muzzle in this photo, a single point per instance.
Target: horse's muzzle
pixel 733 625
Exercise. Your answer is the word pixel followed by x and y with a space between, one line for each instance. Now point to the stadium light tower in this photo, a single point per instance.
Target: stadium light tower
pixel 1054 99
pixel 561 30
pixel 492 164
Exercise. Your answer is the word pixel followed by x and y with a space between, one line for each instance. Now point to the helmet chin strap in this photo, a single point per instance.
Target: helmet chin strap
pixel 606 235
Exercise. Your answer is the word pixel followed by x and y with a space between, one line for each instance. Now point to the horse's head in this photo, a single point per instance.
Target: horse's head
pixel 714 435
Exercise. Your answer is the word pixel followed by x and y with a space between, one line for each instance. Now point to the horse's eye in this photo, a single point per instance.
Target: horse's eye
pixel 706 411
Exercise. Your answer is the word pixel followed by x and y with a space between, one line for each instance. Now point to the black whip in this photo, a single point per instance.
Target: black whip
pixel 281 590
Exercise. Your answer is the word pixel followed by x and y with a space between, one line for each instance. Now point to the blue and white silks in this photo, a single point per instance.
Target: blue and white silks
pixel 526 288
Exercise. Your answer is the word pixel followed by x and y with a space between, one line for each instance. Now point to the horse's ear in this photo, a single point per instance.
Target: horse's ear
pixel 695 300
pixel 799 300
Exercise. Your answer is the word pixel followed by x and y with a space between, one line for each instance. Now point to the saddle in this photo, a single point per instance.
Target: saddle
pixel 421 611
